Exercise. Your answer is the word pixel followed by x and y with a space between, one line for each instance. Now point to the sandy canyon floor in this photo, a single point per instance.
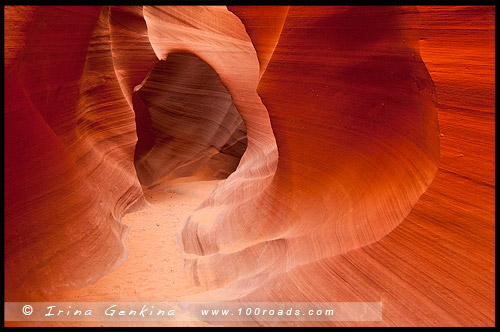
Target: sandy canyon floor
pixel 154 269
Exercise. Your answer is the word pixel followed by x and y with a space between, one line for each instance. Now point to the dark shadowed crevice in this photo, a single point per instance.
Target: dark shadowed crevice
pixel 186 122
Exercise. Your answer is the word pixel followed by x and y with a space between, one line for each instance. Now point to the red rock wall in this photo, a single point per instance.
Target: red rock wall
pixel 341 108
pixel 62 226
pixel 437 267
pixel 351 107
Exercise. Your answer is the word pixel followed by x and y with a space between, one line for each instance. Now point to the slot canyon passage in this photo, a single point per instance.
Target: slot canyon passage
pixel 252 154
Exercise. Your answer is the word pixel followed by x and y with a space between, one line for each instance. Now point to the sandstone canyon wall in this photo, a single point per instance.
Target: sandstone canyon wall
pixel 321 121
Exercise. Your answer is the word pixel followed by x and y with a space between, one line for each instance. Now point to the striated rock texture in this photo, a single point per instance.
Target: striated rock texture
pixel 185 118
pixel 69 142
pixel 351 107
pixel 437 268
pixel 323 119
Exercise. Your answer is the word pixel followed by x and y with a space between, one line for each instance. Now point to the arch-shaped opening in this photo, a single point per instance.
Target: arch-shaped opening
pixel 187 123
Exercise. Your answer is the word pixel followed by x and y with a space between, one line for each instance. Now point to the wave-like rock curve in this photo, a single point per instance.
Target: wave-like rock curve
pixel 339 120
pixel 186 123
pixel 351 107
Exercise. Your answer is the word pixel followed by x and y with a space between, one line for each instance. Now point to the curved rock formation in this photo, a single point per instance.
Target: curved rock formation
pixel 357 135
pixel 332 139
pixel 323 119
pixel 63 142
pixel 437 267
pixel 186 119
